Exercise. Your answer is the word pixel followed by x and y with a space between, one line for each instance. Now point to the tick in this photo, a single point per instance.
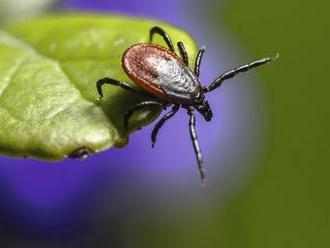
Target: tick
pixel 162 73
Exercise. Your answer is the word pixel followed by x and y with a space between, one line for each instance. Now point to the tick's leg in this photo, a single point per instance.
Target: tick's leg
pixel 161 123
pixel 230 74
pixel 199 60
pixel 115 82
pixel 192 124
pixel 137 107
pixel 183 53
pixel 161 32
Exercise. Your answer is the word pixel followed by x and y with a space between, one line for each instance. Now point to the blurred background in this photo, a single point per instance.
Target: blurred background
pixel 266 151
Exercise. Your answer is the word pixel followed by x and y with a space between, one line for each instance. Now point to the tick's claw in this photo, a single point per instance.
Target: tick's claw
pixel 126 128
pixel 276 57
pixel 99 91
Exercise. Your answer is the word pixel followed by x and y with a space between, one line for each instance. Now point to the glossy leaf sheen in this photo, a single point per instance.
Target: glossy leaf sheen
pixel 48 69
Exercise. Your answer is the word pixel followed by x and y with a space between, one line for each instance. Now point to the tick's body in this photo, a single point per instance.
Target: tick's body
pixel 163 74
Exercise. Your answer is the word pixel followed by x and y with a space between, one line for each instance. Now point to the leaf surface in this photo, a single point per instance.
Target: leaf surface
pixel 49 107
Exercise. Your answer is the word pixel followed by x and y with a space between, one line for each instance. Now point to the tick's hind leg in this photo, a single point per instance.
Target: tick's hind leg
pixel 161 32
pixel 183 53
pixel 199 60
pixel 115 82
pixel 129 114
pixel 192 124
pixel 161 123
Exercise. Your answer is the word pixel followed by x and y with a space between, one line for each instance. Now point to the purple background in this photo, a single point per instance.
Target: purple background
pixel 58 200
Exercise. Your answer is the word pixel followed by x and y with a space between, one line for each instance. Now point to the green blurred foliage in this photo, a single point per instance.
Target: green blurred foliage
pixel 287 204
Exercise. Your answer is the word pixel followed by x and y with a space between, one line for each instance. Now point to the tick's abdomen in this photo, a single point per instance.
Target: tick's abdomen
pixel 161 73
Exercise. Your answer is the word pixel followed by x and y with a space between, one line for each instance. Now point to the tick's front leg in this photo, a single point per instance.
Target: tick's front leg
pixel 192 124
pixel 232 73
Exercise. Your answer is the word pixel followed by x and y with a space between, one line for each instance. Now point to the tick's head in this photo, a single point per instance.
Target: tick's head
pixel 203 107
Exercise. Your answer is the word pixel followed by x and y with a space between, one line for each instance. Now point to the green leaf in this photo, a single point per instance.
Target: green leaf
pixel 49 107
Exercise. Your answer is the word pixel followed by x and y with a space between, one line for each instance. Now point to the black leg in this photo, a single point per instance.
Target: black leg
pixel 137 107
pixel 161 32
pixel 183 53
pixel 161 123
pixel 199 60
pixel 230 74
pixel 115 82
pixel 192 124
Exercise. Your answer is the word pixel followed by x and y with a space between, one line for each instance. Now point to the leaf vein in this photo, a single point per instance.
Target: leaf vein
pixel 10 74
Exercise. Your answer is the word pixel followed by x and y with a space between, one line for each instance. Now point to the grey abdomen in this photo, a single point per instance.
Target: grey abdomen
pixel 178 81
